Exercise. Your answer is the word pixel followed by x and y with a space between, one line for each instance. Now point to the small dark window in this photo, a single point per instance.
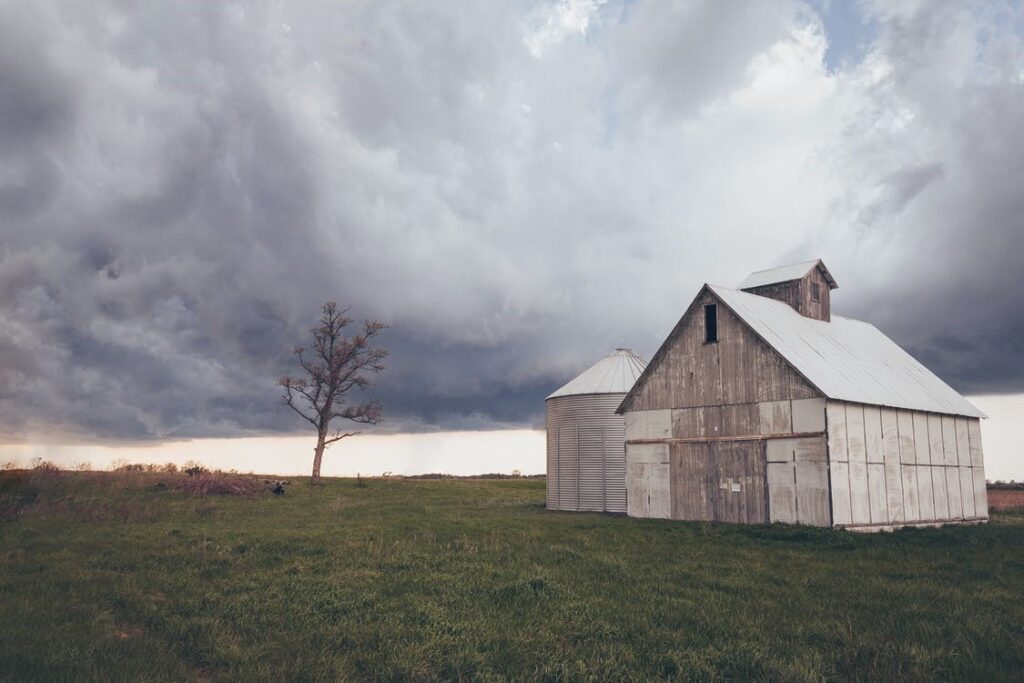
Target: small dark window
pixel 710 323
pixel 815 291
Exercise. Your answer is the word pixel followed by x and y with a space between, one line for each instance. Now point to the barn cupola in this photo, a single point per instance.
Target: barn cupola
pixel 805 286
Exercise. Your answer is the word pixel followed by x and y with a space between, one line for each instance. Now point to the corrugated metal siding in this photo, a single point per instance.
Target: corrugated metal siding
pixel 552 469
pixel 615 468
pixel 586 453
pixel 568 481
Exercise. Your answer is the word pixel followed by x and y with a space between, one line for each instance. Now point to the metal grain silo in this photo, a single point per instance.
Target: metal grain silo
pixel 586 447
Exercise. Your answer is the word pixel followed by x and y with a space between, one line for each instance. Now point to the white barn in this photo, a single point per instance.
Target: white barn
pixel 761 406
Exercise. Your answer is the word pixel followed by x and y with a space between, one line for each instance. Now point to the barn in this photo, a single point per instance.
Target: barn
pixel 761 406
pixel 586 457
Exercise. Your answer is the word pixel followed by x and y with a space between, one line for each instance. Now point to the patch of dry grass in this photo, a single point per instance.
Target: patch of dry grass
pixel 218 484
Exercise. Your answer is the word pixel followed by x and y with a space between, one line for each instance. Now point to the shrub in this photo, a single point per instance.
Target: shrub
pixel 44 468
pixel 195 469
pixel 170 468
pixel 207 483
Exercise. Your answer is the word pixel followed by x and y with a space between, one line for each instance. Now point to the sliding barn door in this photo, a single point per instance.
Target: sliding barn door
pixel 722 481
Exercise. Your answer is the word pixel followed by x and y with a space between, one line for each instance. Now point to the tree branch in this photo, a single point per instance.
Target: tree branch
pixel 339 437
pixel 289 400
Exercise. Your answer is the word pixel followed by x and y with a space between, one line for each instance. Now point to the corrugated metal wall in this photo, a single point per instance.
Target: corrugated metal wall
pixel 586 453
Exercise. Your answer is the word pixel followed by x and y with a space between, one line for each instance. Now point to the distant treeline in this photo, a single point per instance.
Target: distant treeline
pixel 1006 485
pixel 193 468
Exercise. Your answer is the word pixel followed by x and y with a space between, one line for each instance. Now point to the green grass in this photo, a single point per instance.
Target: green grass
pixel 105 577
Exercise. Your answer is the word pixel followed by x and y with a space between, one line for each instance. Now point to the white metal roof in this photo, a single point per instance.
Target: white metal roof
pixel 614 374
pixel 846 359
pixel 771 276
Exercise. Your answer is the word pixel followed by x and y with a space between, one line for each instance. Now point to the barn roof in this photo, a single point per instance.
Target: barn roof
pixel 794 271
pixel 846 359
pixel 614 374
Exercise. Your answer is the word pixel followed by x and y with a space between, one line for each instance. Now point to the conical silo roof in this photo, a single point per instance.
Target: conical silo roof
pixel 614 374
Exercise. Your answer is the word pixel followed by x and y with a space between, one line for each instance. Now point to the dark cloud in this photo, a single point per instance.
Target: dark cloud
pixel 949 212
pixel 900 187
pixel 515 189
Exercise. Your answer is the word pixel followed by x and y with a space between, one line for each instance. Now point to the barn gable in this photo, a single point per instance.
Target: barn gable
pixel 737 368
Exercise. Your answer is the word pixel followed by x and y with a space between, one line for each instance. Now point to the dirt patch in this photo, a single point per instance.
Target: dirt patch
pixel 1002 499
pixel 128 633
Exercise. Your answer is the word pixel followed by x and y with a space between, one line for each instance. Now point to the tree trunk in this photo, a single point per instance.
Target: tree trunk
pixel 318 456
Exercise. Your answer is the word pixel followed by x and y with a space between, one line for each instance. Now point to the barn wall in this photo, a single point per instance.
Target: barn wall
pixel 891 467
pixel 752 462
pixel 821 309
pixel 737 369
pixel 786 292
pixel 586 460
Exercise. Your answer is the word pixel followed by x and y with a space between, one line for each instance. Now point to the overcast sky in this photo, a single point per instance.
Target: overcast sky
pixel 514 187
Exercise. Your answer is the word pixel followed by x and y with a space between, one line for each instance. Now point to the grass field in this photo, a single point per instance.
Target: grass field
pixel 111 577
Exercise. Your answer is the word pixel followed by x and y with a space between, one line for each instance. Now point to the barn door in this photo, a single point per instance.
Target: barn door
pixel 647 476
pixel 740 494
pixel 798 491
pixel 719 481
pixel 693 481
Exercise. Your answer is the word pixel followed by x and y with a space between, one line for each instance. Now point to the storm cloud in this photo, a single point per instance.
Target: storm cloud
pixel 515 188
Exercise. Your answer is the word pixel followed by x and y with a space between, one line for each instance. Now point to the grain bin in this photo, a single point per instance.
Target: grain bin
pixel 586 450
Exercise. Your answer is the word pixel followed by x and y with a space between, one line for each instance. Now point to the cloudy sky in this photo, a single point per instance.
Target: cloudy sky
pixel 514 187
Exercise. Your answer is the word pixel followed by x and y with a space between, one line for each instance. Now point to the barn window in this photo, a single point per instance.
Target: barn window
pixel 815 291
pixel 710 323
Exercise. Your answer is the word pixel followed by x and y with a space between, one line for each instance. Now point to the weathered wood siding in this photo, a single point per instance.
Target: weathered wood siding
pixel 737 369
pixel 799 295
pixel 768 418
pixel 720 481
pixel 707 480
pixel 797 470
pixel 737 387
pixel 647 480
pixel 891 467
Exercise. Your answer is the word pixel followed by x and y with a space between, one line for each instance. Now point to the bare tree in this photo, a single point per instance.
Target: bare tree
pixel 334 365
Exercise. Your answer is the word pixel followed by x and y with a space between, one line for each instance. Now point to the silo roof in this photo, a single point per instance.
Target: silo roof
pixel 614 374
